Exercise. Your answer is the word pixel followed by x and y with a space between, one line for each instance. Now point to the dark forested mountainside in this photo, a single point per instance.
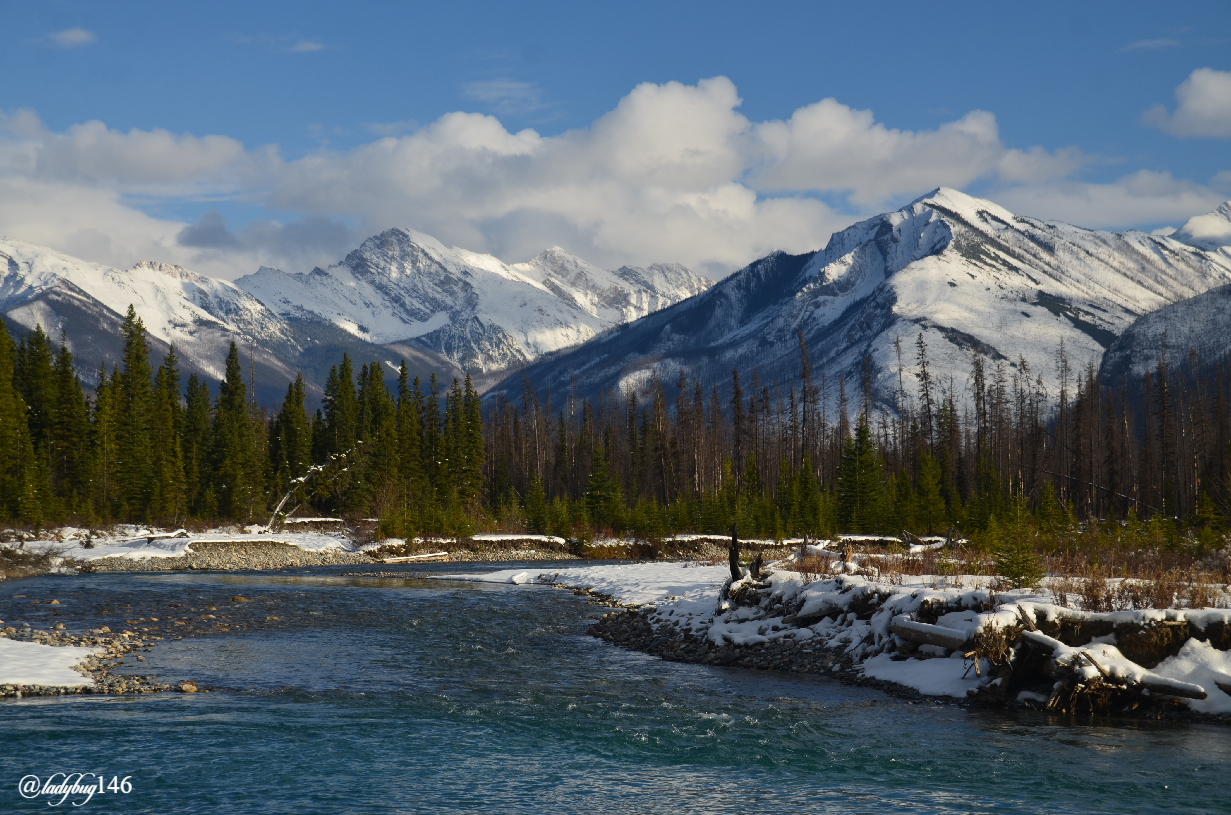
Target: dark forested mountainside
pixel 770 460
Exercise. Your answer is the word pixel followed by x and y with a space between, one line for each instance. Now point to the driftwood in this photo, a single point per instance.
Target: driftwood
pixel 412 558
pixel 928 634
pixel 1067 672
pixel 737 573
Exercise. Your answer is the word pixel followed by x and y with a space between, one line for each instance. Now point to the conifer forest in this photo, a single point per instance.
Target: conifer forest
pixel 998 456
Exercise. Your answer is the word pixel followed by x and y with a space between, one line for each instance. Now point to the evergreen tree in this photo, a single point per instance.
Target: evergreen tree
pixel 236 471
pixel 16 451
pixel 1012 538
pixel 169 490
pixel 860 482
pixel 290 443
pixel 134 403
pixel 195 441
pixel 341 410
pixel 930 504
pixel 69 435
pixel 409 433
pixel 104 439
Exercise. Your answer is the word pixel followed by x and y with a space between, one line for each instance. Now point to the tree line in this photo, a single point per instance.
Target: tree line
pixel 813 456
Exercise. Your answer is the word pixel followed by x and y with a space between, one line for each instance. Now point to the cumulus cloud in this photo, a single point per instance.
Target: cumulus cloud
pixel 145 161
pixel 73 37
pixel 1203 109
pixel 298 244
pixel 673 173
pixel 1143 197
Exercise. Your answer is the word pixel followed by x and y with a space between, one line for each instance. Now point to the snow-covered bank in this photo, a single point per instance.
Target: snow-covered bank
pixel 137 543
pixel 955 637
pixel 631 583
pixel 33 663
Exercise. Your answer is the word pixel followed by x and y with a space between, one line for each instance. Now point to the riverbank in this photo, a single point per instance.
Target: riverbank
pixel 962 639
pixel 55 663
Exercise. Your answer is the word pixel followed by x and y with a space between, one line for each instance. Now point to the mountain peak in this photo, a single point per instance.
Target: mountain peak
pixel 1210 231
pixel 961 204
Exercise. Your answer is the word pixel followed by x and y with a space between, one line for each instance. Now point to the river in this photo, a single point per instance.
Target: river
pixel 335 694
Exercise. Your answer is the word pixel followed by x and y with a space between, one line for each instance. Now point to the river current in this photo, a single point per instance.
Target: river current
pixel 337 694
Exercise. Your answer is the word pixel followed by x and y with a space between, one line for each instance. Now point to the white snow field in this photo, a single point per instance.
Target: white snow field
pixel 32 663
pixel 135 543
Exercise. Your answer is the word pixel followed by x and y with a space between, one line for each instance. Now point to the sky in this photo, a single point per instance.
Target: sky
pixel 225 136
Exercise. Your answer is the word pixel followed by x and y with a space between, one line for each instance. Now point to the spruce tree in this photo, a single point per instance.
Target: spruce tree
pixel 134 403
pixel 195 440
pixel 236 470
pixel 290 443
pixel 930 503
pixel 104 441
pixel 69 435
pixel 860 482
pixel 16 451
pixel 168 495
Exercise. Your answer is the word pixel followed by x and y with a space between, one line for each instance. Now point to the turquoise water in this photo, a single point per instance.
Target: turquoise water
pixel 408 696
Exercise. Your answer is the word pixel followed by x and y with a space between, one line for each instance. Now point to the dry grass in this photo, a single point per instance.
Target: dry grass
pixel 22 563
pixel 1097 590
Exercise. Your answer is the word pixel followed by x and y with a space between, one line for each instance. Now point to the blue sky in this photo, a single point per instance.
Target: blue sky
pixel 227 135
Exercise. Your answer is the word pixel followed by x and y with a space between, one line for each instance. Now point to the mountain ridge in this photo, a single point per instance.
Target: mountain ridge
pixel 964 272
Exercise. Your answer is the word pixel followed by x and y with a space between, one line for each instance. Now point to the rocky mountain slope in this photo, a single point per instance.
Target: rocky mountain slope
pixel 1195 331
pixel 398 296
pixel 963 272
pixel 475 311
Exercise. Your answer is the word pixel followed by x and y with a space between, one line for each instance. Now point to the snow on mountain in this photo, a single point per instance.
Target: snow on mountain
pixel 1174 333
pixel 1211 231
pixel 87 301
pixel 622 296
pixel 474 310
pixel 963 271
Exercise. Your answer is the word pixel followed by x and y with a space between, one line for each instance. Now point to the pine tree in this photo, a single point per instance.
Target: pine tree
pixel 195 441
pixel 134 403
pixel 470 445
pixel 69 435
pixel 169 491
pixel 290 443
pixel 930 502
pixel 16 451
pixel 236 471
pixel 410 433
pixel 860 482
pixel 341 409
pixel 35 382
pixel 104 433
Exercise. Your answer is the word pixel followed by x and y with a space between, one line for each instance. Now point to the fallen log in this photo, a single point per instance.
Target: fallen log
pixel 411 558
pixel 928 634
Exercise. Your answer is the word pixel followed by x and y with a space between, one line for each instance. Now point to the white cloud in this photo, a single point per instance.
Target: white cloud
pixel 1204 107
pixel 73 37
pixel 674 173
pixel 139 161
pixel 1143 197
pixel 1152 45
pixel 305 47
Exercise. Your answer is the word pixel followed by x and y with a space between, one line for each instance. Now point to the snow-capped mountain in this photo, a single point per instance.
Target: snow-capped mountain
pixel 400 295
pixel 87 301
pixel 1211 231
pixel 1196 330
pixel 472 309
pixel 963 271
